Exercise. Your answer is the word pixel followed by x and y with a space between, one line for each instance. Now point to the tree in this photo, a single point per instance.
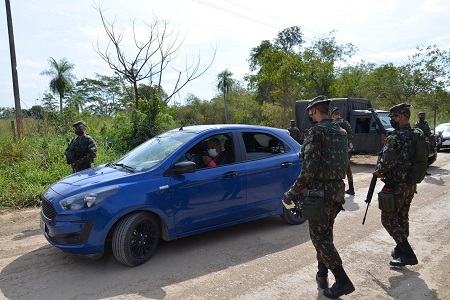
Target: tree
pixel 101 96
pixel 49 103
pixel 225 84
pixel 62 78
pixel 152 57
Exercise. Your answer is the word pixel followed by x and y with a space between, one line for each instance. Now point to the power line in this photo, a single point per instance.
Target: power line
pixel 243 16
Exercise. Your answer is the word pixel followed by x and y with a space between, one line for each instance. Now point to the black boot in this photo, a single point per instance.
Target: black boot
pixel 351 190
pixel 342 286
pixel 407 257
pixel 322 276
pixel 396 252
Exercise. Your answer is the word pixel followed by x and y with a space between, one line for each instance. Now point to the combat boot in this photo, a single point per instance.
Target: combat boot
pixel 396 252
pixel 407 257
pixel 322 276
pixel 351 190
pixel 342 286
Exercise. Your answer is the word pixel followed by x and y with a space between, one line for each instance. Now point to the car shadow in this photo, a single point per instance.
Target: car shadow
pixel 49 273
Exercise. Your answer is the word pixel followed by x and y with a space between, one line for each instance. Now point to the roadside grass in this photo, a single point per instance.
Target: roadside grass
pixel 30 165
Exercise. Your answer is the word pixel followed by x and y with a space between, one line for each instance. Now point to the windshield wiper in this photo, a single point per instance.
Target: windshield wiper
pixel 128 168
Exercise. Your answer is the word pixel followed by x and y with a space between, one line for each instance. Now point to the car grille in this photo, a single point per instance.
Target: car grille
pixel 48 210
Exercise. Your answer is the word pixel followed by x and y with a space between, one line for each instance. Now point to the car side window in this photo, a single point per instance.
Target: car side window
pixel 213 151
pixel 260 145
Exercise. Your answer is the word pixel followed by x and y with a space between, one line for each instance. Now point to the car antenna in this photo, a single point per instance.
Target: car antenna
pixel 184 124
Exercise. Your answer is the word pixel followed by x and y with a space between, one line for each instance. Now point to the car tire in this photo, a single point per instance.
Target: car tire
pixel 432 159
pixel 293 216
pixel 135 238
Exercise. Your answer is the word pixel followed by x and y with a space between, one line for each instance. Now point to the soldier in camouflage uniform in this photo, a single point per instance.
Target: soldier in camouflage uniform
pixel 295 133
pixel 82 149
pixel 423 125
pixel 325 162
pixel 346 126
pixel 395 169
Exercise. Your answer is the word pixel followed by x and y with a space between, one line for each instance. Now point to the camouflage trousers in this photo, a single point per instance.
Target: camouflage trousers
pixel 349 170
pixel 396 222
pixel 321 231
pixel 83 166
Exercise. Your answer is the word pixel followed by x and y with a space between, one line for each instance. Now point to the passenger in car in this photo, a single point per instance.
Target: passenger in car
pixel 215 155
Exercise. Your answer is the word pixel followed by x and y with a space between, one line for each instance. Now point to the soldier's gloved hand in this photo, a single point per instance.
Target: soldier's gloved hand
pixel 288 200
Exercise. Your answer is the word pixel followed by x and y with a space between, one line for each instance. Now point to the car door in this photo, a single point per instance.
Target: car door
pixel 271 167
pixel 209 197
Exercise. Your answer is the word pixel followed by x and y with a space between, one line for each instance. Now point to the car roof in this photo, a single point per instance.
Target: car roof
pixel 443 125
pixel 203 128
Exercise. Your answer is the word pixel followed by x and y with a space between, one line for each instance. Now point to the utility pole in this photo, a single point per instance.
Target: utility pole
pixel 12 51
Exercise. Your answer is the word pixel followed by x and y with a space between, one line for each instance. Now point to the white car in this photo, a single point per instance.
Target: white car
pixel 445 129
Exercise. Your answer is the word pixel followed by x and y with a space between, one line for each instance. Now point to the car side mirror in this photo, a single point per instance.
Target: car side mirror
pixel 181 168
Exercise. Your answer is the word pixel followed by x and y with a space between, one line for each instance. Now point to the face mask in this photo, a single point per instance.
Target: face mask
pixel 394 124
pixel 311 120
pixel 212 152
pixel 79 132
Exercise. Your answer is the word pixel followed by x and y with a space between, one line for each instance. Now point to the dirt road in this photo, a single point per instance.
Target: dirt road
pixel 265 259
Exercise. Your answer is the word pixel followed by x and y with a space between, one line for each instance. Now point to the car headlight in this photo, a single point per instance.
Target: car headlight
pixel 88 199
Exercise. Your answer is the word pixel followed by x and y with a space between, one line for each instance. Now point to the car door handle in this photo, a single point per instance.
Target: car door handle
pixel 286 165
pixel 230 174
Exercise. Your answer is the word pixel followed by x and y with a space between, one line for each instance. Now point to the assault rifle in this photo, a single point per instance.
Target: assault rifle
pixel 70 157
pixel 373 183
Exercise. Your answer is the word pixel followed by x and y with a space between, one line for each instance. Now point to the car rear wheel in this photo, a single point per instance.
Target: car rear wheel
pixel 135 239
pixel 293 216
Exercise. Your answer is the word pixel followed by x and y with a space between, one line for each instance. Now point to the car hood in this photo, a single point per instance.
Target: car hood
pixel 90 178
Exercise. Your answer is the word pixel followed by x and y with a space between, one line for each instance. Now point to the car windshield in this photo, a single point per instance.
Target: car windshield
pixel 154 151
pixel 443 127
pixel 385 120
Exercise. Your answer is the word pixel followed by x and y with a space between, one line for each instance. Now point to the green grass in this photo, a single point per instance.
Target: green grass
pixel 30 165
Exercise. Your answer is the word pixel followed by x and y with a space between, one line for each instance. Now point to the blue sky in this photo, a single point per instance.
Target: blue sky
pixel 383 31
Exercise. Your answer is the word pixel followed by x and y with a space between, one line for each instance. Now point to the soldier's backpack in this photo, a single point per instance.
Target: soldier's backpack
pixel 420 149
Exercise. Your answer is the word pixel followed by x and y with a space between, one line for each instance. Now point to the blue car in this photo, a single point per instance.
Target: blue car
pixel 163 189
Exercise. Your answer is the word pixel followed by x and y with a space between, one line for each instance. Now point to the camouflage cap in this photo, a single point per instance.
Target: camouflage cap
pixel 421 113
pixel 400 109
pixel 79 123
pixel 334 111
pixel 317 100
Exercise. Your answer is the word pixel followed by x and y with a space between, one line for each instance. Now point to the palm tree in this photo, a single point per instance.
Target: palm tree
pixel 62 78
pixel 225 84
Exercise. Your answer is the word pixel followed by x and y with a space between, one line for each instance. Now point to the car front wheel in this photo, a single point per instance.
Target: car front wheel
pixel 135 239
pixel 294 215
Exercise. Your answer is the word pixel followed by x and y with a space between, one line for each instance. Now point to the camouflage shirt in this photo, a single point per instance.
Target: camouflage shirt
pixel 324 155
pixel 396 155
pixel 346 125
pixel 294 132
pixel 424 127
pixel 82 150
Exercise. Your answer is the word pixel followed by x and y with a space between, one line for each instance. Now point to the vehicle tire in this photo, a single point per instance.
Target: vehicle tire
pixel 432 159
pixel 135 238
pixel 293 216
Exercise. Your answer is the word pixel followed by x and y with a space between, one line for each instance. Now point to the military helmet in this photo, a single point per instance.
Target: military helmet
pixel 334 111
pixel 400 109
pixel 79 123
pixel 317 100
